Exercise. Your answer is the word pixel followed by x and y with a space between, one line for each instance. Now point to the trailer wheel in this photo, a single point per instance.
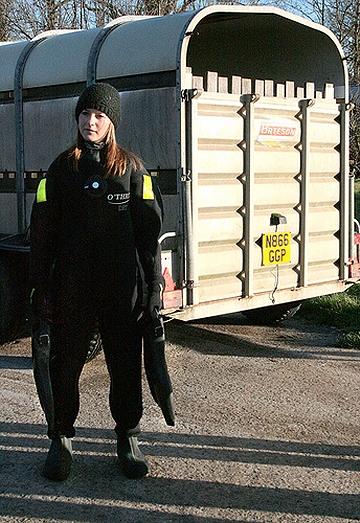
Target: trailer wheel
pixel 272 314
pixel 11 304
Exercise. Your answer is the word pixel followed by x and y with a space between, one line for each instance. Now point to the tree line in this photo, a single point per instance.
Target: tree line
pixel 24 19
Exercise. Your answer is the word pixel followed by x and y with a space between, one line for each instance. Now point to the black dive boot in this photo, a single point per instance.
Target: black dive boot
pixel 132 460
pixel 58 462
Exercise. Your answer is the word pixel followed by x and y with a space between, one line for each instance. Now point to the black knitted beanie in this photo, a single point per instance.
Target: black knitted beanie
pixel 102 97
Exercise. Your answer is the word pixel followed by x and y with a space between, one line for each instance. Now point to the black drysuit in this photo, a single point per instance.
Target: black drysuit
pixel 87 235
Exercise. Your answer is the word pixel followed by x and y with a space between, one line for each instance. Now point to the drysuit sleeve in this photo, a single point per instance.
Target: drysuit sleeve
pixel 43 231
pixel 146 211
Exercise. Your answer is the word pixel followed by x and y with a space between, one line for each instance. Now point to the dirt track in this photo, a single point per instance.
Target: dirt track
pixel 268 430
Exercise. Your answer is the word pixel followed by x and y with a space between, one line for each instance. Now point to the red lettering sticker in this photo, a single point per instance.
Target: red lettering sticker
pixel 277 131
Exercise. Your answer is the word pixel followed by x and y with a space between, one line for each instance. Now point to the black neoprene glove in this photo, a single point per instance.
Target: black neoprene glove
pixel 39 304
pixel 154 300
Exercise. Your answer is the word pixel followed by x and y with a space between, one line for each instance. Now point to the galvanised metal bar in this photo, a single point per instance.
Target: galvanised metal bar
pixel 19 131
pixel 346 217
pixel 304 180
pixel 247 145
pixel 98 42
pixel 189 95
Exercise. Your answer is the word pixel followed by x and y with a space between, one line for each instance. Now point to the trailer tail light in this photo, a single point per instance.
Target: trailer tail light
pixel 354 268
pixel 172 297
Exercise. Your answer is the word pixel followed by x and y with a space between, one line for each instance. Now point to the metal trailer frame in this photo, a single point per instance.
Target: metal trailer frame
pixel 174 73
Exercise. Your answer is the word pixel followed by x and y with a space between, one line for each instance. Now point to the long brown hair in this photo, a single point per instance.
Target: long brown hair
pixel 114 158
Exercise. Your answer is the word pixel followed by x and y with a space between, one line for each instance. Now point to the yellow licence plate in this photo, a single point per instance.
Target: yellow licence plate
pixel 276 248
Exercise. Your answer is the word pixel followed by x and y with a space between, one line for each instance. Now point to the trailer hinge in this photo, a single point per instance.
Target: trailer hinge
pixel 185 175
pixel 190 284
pixel 189 94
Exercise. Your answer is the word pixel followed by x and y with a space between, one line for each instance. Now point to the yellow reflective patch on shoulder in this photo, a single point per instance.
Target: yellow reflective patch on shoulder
pixel 148 193
pixel 41 191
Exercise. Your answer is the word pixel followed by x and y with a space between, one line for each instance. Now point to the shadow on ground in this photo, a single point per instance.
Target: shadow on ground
pixel 97 491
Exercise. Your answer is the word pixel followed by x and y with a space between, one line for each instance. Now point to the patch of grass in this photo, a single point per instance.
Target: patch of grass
pixel 357 198
pixel 350 340
pixel 341 310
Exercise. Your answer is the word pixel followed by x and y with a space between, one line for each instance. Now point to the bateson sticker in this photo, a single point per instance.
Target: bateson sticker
pixel 275 132
pixel 276 248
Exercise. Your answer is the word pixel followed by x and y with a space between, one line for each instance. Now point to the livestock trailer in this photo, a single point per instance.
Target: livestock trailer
pixel 242 115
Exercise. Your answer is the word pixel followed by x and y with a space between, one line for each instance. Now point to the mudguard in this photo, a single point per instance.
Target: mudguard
pixel 155 365
pixel 40 343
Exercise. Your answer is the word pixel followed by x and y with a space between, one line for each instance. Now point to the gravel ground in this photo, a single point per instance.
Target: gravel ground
pixel 267 431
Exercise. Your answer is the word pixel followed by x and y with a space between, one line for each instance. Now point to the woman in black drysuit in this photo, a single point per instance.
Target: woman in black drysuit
pixel 95 215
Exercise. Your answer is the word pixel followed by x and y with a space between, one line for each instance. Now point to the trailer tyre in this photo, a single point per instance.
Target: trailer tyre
pixel 272 314
pixel 11 305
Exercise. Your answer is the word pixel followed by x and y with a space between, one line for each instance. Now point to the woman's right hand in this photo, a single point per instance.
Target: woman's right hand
pixel 39 304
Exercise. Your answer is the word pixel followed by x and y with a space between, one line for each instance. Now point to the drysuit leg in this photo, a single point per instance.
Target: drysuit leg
pixel 70 337
pixel 122 344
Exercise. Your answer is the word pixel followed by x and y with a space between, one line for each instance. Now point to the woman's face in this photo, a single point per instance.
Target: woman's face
pixel 93 125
